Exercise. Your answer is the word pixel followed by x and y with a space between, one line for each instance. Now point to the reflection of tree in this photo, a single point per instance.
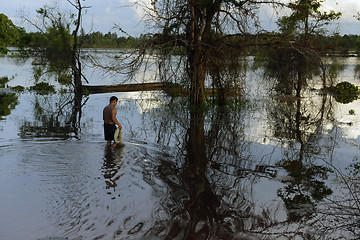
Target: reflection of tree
pixel 291 68
pixel 56 116
pixel 202 202
pixel 339 217
pixel 8 101
pixel 305 187
pixel 211 184
pixel 112 165
pixel 299 123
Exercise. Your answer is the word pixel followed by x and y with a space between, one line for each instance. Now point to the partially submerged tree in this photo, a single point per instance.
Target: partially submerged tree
pixel 299 56
pixel 59 50
pixel 199 42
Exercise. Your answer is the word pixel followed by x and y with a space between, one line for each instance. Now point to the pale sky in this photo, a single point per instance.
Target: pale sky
pixel 104 14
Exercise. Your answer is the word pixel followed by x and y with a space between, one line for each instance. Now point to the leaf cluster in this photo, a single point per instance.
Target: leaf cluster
pixel 9 33
pixel 306 18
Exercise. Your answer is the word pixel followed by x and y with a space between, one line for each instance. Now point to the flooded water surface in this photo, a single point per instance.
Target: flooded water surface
pixel 272 167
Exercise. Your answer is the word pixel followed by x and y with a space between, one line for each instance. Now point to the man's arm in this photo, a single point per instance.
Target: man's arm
pixel 113 116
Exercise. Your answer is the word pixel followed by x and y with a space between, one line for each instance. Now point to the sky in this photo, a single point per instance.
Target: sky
pixel 105 14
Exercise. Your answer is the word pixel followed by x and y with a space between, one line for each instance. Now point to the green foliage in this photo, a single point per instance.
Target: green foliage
pixel 290 67
pixel 346 88
pixel 306 18
pixel 8 101
pixel 58 48
pixel 9 33
pixel 53 48
pixel 3 81
pixel 18 88
pixel 108 40
pixel 37 40
pixel 86 93
pixel 355 167
pixel 37 72
pixel 64 78
pixel 343 44
pixel 345 92
pixel 43 87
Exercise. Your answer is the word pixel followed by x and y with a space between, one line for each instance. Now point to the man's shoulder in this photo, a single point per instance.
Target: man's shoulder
pixel 108 107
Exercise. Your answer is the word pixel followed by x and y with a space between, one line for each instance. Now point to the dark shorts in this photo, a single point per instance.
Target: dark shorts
pixel 109 130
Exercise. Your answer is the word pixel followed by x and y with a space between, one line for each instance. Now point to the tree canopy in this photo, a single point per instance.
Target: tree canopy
pixel 306 18
pixel 9 33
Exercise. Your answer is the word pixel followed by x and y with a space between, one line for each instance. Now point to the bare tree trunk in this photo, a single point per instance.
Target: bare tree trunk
pixel 75 61
pixel 196 63
pixel 197 76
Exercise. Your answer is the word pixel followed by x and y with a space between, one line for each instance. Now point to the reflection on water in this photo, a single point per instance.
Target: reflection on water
pixel 55 116
pixel 8 101
pixel 274 168
pixel 112 166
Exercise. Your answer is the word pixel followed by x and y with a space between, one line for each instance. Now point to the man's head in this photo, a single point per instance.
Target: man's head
pixel 113 99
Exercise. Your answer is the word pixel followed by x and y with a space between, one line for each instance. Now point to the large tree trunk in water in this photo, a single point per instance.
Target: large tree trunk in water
pixel 196 62
pixel 197 77
pixel 75 61
pixel 76 69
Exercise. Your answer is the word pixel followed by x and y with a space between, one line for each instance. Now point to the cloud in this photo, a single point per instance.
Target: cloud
pixel 108 10
pixel 348 8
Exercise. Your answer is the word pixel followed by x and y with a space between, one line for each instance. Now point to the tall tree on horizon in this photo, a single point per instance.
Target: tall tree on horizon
pixel 306 18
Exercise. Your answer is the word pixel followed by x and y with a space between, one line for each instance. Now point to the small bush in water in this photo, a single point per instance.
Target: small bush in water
pixel 346 88
pixel 3 81
pixel 18 88
pixel 44 87
pixel 345 92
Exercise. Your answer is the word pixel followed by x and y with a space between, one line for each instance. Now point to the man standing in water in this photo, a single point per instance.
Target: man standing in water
pixel 109 117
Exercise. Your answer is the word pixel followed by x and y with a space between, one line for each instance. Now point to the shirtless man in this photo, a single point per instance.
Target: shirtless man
pixel 109 117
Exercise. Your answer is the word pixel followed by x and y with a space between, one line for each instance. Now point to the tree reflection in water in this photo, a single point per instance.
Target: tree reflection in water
pixel 299 125
pixel 213 197
pixel 211 182
pixel 213 171
pixel 55 116
pixel 112 166
pixel 8 101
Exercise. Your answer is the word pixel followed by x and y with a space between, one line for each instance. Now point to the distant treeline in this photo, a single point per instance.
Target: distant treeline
pixel 341 44
pixel 91 40
pixel 108 40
